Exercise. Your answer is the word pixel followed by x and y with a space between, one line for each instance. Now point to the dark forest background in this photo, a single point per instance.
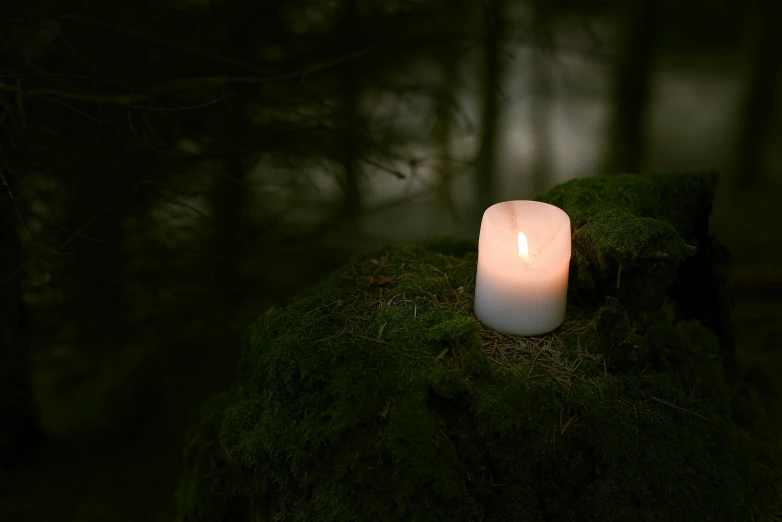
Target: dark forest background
pixel 171 169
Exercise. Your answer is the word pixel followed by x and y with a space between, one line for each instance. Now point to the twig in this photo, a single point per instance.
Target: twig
pixel 136 99
pixel 209 103
pixel 123 99
pixel 13 200
pixel 9 113
pixel 73 236
pixel 60 227
pixel 148 37
pixel 685 410
pixel 394 172
pixel 185 205
pixel 71 107
pixel 379 341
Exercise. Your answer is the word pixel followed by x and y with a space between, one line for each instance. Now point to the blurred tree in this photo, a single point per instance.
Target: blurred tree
pixel 229 197
pixel 100 193
pixel 348 33
pixel 637 41
pixel 163 127
pixel 543 56
pixel 491 88
pixel 19 428
pixel 763 64
pixel 448 53
pixel 230 158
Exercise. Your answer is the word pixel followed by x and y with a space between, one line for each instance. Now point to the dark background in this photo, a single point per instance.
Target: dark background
pixel 172 169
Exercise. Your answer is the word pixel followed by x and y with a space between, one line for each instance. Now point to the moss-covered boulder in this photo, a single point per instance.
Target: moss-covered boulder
pixel 645 241
pixel 378 396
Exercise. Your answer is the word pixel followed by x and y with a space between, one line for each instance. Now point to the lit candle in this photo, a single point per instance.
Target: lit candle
pixel 523 264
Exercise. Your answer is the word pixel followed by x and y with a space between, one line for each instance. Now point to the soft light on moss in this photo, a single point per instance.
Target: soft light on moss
pixel 378 396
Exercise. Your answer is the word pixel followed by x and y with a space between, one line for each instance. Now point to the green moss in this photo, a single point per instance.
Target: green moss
pixel 207 491
pixel 363 408
pixel 378 396
pixel 683 200
pixel 643 225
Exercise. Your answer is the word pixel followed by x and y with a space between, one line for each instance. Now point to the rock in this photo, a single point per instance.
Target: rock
pixel 377 395
pixel 644 239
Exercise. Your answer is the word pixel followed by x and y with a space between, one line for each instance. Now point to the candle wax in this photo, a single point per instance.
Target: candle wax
pixel 523 264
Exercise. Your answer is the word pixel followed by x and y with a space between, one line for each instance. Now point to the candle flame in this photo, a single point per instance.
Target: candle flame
pixel 523 247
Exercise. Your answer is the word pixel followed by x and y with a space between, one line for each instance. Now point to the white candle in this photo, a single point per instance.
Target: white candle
pixel 523 263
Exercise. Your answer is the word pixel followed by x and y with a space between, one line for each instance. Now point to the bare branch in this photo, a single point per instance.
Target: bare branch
pixel 155 39
pixel 185 108
pixel 267 79
pixel 177 85
pixel 73 236
pixel 13 200
pixel 9 114
pixel 394 172
pixel 123 99
pixel 72 108
pixel 186 205
pixel 60 227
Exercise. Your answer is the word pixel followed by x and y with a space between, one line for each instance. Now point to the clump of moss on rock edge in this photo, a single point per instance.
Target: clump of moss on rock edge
pixel 378 396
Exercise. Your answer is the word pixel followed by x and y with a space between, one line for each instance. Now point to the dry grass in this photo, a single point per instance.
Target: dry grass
pixel 539 355
pixel 546 352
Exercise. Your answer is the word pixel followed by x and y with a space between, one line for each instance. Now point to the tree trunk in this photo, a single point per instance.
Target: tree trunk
pixel 228 203
pixel 764 61
pixel 351 90
pixel 444 132
pixel 492 79
pixel 540 74
pixel 18 418
pixel 448 61
pixel 97 293
pixel 632 88
pixel 541 80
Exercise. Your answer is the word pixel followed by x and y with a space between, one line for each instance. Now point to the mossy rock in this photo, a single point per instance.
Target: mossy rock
pixel 639 227
pixel 644 240
pixel 378 396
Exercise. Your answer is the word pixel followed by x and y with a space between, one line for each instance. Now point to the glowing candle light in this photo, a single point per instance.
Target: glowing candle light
pixel 524 247
pixel 523 264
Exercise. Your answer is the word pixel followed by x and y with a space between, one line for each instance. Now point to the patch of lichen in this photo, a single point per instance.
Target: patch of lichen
pixel 378 396
pixel 639 225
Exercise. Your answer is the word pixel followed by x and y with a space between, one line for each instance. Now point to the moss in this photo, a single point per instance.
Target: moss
pixel 701 291
pixel 378 396
pixel 375 399
pixel 206 491
pixel 684 200
pixel 634 229
pixel 617 340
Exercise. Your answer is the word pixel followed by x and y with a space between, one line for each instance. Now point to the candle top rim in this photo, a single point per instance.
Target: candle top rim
pixel 527 202
pixel 546 227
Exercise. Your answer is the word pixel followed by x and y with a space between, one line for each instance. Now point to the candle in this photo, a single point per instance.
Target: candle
pixel 523 264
